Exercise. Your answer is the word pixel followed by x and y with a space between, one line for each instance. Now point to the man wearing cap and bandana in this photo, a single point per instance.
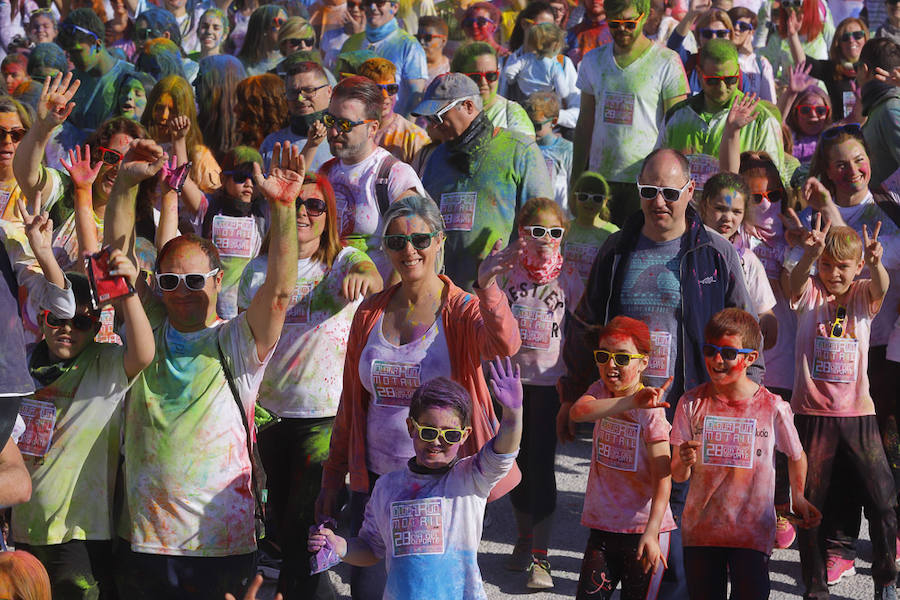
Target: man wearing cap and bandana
pixel 480 175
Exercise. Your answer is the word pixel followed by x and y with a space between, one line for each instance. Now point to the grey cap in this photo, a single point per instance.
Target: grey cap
pixel 445 89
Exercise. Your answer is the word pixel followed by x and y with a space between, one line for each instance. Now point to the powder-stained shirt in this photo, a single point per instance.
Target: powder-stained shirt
pixel 735 460
pixel 509 115
pixel 428 527
pixel 630 106
pixel 73 480
pixel 831 372
pixel 582 245
pixel 304 377
pixel 620 484
pixel 558 156
pixel 187 472
pixel 540 311
pixel 481 207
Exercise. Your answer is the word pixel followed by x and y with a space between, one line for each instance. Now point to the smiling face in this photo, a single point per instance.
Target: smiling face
pixel 132 99
pixel 9 121
pixel 67 342
pixel 379 13
pixel 851 48
pixel 210 32
pixel 437 453
pixel 848 168
pixel 837 275
pixel 621 381
pixel 411 263
pixel 42 29
pixel 809 120
pixel 715 26
pixel 724 212
pixel 308 227
pixel 190 310
pixel 728 372
pixel 560 12
pixel 107 175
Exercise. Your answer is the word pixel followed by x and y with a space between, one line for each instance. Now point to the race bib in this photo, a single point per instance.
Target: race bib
pixel 458 209
pixel 617 444
pixel 582 256
pixel 394 382
pixel 535 326
pixel 849 101
pixel 300 301
pixel 5 195
pixel 660 354
pixel 618 108
pixel 770 258
pixel 728 442
pixel 703 166
pixel 417 526
pixel 835 359
pixel 107 333
pixel 40 419
pixel 234 236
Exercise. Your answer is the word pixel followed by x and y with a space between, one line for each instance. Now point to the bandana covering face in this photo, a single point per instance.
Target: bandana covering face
pixel 542 263
pixel 767 225
pixel 376 34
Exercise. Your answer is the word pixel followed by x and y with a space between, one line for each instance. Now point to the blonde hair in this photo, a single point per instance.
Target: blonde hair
pixel 545 40
pixel 843 243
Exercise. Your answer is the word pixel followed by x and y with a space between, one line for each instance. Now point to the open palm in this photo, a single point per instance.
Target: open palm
pixel 286 176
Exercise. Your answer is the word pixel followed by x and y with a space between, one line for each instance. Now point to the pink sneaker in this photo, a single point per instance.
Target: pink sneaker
pixel 785 534
pixel 837 568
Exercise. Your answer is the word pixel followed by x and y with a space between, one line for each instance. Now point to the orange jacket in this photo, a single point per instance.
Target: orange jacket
pixel 477 328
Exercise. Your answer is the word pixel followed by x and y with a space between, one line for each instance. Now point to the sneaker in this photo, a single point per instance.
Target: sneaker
pixel 888 592
pixel 539 578
pixel 838 568
pixel 520 559
pixel 785 534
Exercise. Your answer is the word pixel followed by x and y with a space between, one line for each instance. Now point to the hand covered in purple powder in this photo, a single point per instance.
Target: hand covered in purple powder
pixel 506 384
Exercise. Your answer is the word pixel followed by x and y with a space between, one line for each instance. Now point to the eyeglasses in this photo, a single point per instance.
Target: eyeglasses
pixel 109 156
pixel 707 34
pixel 314 206
pixel 79 322
pixel 429 434
pixel 853 129
pixel 490 76
pixel 852 35
pixel 195 282
pixel 238 176
pixel 586 197
pixel 792 4
pixel 808 109
pixel 73 29
pixel 726 352
pixel 770 195
pixel 728 80
pixel 480 21
pixel 438 117
pixel 419 241
pixel 601 357
pixel 390 89
pixel 15 135
pixel 344 125
pixel 669 194
pixel 628 24
pixel 837 329
pixel 308 91
pixel 538 231
pixel 426 38
pixel 744 26
pixel 300 42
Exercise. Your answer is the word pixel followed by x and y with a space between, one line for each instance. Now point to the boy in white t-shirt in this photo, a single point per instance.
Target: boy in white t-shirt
pixel 426 520
pixel 835 412
pixel 726 432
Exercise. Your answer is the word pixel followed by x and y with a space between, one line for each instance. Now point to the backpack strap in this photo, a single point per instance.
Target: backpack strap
pixel 382 179
pixel 888 203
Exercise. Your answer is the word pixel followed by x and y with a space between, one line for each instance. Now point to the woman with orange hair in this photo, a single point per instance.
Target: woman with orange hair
pixel 261 108
pixel 812 21
pixel 23 577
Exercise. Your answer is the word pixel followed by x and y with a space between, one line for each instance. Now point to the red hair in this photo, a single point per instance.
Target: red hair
pixel 811 24
pixel 24 576
pixel 630 328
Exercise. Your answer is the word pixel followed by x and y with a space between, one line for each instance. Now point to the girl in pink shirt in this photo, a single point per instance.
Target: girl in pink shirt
pixel 627 500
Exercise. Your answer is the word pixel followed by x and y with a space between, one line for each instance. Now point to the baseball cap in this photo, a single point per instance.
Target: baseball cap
pixel 443 90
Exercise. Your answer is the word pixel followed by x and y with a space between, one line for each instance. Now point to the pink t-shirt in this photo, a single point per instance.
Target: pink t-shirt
pixel 731 498
pixel 620 485
pixel 831 372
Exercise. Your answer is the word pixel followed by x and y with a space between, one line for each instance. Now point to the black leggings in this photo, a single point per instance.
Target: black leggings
pixel 612 557
pixel 78 570
pixel 536 493
pixel 709 568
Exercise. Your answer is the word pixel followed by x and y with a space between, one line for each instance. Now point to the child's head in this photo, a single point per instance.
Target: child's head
pixel 622 340
pixel 23 576
pixel 543 110
pixel 237 172
pixel 841 261
pixel 590 196
pixel 542 224
pixel 443 405
pixel 67 338
pixel 733 339
pixel 724 203
pixel 545 40
pixel 810 113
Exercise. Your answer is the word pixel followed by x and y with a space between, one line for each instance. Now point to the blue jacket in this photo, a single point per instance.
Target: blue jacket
pixel 711 279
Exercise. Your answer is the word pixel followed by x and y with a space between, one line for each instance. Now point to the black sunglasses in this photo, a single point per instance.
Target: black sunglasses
pixel 792 4
pixel 314 206
pixel 426 38
pixel 837 330
pixel 298 42
pixel 79 322
pixel 419 241
pixel 770 195
pixel 853 129
pixel 852 35
pixel 490 76
pixel 727 352
pixel 239 177
pixel 15 135
pixel 707 34
pixel 745 26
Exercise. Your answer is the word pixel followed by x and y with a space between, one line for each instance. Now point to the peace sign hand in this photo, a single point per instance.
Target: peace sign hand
pixel 742 112
pixel 873 248
pixel 38 226
pixel 814 240
pixel 55 104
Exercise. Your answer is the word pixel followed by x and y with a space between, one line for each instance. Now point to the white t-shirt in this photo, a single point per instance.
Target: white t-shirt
pixel 428 527
pixel 757 283
pixel 630 106
pixel 305 376
pixel 187 472
pixel 779 358
pixel 391 374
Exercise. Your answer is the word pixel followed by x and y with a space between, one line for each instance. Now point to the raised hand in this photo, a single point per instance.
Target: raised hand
pixel 699 6
pixel 316 134
pixel 255 585
pixel 688 452
pixel 873 248
pixel 814 240
pixel 794 21
pixel 38 226
pixel 121 265
pixel 143 160
pixel 816 194
pixel 79 167
pixel 55 104
pixel 506 383
pixel 500 260
pixel 648 397
pixel 742 112
pixel 800 79
pixel 892 78
pixel 286 177
pixel 179 127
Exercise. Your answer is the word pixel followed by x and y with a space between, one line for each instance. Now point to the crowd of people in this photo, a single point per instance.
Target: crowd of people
pixel 293 284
